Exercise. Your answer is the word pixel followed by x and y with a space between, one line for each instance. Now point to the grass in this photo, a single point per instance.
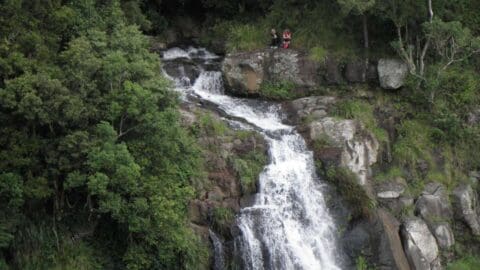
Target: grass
pixel 469 262
pixel 414 144
pixel 362 111
pixel 318 54
pixel 281 90
pixel 245 37
pixel 390 174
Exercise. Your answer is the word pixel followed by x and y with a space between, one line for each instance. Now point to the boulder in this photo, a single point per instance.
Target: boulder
pixel 391 195
pixel 392 73
pixel 420 246
pixel 245 72
pixel 359 147
pixel 313 108
pixel 444 235
pixel 333 73
pixel 377 238
pixel 391 255
pixel 356 72
pixel 433 204
pixel 182 68
pixel 466 207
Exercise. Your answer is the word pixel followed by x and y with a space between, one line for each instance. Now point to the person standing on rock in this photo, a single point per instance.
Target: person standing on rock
pixel 275 43
pixel 287 37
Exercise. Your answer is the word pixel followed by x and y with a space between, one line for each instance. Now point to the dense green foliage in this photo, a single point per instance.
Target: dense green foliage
pixel 96 170
pixel 281 90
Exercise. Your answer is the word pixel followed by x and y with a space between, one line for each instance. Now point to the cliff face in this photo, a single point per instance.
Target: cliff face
pixel 232 162
pixel 402 228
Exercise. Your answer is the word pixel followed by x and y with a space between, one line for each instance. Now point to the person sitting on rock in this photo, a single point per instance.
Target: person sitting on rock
pixel 275 43
pixel 287 37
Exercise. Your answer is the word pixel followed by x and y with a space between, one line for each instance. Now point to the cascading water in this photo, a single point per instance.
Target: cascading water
pixel 288 225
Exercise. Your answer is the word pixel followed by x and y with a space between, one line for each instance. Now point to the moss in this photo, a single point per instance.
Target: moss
pixel 281 90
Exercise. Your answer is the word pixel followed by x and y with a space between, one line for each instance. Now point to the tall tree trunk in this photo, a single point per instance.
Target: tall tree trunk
pixel 365 32
pixel 366 45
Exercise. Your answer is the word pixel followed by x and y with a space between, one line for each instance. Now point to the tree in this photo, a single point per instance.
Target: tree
pixel 359 7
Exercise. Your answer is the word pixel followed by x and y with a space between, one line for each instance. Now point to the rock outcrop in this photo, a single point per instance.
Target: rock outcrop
pixel 433 204
pixel 245 72
pixel 391 195
pixel 420 246
pixel 392 73
pixel 359 148
pixel 466 207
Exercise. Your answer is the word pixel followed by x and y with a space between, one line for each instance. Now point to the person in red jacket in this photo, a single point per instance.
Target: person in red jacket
pixel 287 37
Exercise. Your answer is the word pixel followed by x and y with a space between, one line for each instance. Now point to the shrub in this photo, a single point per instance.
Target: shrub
pixel 347 184
pixel 222 218
pixel 281 90
pixel 248 167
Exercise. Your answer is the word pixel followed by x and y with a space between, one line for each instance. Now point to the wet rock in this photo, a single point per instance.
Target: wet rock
pixel 392 73
pixel 179 68
pixel 466 207
pixel 420 246
pixel 433 204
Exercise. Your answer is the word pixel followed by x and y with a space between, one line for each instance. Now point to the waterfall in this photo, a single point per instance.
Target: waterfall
pixel 219 263
pixel 288 226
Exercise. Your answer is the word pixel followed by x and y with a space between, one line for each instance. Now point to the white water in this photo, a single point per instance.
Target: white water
pixel 288 226
pixel 219 263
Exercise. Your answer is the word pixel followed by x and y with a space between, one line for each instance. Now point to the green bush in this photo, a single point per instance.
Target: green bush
pixel 248 167
pixel 222 219
pixel 281 90
pixel 347 184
